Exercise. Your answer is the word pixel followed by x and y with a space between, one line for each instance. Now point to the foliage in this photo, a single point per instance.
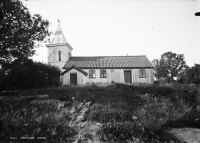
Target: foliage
pixel 19 31
pixel 2 74
pixel 107 113
pixel 121 131
pixel 157 111
pixel 169 66
pixel 124 112
pixel 182 77
pixel 193 74
pixel 188 93
pixel 28 74
pixel 34 119
pixel 153 89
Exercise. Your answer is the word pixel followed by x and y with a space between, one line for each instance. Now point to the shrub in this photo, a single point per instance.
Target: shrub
pixel 156 112
pixel 193 74
pixel 110 115
pixel 147 88
pixel 26 74
pixel 121 131
pixel 40 118
pixel 189 93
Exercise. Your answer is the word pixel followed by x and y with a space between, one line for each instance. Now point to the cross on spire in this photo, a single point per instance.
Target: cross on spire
pixel 58 22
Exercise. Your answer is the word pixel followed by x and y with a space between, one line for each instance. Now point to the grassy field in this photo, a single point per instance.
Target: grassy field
pixel 115 113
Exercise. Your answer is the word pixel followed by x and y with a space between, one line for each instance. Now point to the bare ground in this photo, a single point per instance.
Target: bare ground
pixel 187 135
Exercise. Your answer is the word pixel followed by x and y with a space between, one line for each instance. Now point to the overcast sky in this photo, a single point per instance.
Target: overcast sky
pixel 121 27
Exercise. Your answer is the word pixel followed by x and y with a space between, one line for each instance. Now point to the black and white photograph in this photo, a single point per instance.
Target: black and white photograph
pixel 100 71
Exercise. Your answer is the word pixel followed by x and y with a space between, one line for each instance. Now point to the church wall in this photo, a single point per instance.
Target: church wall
pixel 53 53
pixel 97 78
pixel 80 77
pixel 116 75
pixel 64 53
pixel 148 79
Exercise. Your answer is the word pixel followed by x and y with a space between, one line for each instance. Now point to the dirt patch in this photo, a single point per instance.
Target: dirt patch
pixel 187 135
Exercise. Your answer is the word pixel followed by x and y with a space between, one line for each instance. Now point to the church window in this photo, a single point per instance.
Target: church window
pixel 142 73
pixel 92 74
pixel 103 73
pixel 59 55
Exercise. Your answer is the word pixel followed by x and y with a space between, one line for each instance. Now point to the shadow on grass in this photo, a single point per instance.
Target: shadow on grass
pixel 190 120
pixel 160 136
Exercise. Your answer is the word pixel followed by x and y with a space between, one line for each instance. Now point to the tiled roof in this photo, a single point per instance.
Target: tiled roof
pixel 109 62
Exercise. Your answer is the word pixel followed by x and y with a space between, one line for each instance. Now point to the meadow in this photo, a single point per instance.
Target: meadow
pixel 114 113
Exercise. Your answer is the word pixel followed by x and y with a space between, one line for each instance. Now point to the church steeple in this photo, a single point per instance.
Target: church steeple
pixel 59 51
pixel 58 36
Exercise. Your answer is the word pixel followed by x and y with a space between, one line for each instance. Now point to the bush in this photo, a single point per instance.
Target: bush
pixel 156 113
pixel 121 131
pixel 36 119
pixel 147 88
pixel 27 74
pixel 187 92
pixel 193 74
pixel 105 113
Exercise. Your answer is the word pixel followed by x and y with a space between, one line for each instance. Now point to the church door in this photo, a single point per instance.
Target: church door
pixel 73 78
pixel 127 77
pixel 112 75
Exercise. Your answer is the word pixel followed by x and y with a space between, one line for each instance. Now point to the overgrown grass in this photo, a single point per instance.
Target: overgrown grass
pixel 35 119
pixel 125 112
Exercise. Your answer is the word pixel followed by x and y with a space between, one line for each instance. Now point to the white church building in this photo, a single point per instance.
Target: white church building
pixel 96 69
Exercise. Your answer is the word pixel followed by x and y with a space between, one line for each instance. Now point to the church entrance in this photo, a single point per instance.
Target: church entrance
pixel 73 78
pixel 127 77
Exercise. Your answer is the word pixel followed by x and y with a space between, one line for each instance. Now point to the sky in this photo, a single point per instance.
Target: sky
pixel 123 27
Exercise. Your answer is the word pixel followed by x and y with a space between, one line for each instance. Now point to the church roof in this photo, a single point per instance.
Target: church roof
pixel 59 37
pixel 74 67
pixel 109 62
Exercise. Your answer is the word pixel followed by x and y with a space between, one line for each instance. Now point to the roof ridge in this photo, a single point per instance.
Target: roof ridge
pixel 109 56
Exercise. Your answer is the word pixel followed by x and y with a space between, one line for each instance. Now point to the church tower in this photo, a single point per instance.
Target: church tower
pixel 59 51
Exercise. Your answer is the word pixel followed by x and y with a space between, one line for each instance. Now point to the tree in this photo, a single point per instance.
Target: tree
pixel 182 77
pixel 26 74
pixel 19 31
pixel 193 74
pixel 2 74
pixel 169 66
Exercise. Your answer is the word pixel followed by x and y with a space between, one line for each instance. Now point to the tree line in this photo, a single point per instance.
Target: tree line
pixel 171 67
pixel 26 74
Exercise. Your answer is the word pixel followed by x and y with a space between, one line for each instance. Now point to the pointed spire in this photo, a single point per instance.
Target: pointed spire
pixel 58 22
pixel 58 36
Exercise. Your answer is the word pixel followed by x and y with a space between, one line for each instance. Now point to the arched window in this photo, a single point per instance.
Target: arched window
pixel 103 73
